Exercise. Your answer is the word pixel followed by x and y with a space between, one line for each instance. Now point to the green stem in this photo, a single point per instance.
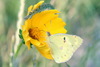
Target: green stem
pixel 67 64
pixel 19 46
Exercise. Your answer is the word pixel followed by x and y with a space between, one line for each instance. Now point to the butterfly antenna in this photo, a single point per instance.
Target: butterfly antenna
pixel 67 65
pixel 48 33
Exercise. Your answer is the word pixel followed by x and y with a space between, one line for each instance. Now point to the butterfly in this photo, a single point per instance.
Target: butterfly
pixel 63 46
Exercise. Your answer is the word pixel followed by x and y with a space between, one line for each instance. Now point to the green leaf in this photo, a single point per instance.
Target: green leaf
pixel 20 36
pixel 31 45
pixel 20 31
pixel 23 41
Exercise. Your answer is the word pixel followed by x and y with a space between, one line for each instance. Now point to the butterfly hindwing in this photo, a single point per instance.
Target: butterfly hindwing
pixel 63 46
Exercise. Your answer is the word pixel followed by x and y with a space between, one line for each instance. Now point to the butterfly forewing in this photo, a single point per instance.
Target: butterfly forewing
pixel 63 46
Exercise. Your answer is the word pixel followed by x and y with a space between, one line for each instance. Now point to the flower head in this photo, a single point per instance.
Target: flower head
pixel 35 29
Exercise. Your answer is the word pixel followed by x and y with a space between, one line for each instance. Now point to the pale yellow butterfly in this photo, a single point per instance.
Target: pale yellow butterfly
pixel 63 46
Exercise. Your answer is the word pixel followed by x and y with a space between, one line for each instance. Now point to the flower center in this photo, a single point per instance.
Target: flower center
pixel 34 33
pixel 37 34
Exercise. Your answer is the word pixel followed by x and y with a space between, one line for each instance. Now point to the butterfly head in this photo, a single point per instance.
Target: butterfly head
pixel 48 33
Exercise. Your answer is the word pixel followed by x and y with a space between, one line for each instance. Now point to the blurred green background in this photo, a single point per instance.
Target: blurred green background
pixel 82 18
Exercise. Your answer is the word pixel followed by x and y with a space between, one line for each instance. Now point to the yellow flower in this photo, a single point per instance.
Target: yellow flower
pixel 35 29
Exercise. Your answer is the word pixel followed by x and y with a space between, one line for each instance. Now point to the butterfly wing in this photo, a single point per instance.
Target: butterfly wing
pixel 63 46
